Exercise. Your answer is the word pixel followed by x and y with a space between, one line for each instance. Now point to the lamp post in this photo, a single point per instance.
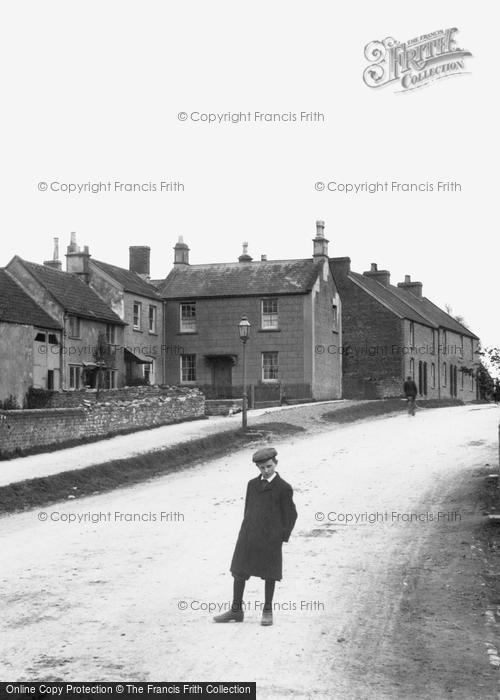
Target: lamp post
pixel 244 331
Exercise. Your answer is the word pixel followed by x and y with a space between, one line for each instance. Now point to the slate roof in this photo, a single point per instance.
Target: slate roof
pixel 389 299
pixel 16 306
pixel 443 319
pixel 242 279
pixel 130 281
pixel 409 306
pixel 72 293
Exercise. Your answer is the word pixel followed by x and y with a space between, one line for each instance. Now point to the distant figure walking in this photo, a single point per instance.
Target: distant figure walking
pixel 496 391
pixel 410 390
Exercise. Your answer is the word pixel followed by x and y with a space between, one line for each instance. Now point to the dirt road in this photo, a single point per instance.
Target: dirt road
pixel 364 610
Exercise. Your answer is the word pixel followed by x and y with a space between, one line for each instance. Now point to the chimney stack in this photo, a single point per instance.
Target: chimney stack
pixel 340 267
pixel 181 253
pixel 382 276
pixel 139 257
pixel 55 263
pixel 245 257
pixel 414 288
pixel 77 262
pixel 320 249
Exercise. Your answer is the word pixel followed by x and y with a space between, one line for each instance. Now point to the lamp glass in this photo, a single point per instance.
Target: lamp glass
pixel 244 328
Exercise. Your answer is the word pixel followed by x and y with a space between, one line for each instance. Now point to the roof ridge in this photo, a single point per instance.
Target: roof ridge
pixel 467 330
pixel 253 262
pixel 64 299
pixel 370 280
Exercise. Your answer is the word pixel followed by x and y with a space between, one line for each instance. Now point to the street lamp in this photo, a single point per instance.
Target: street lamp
pixel 244 331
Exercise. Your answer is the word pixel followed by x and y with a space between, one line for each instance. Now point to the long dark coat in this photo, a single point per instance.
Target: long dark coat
pixel 270 515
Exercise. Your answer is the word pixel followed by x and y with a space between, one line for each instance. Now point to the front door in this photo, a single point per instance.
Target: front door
pixel 222 371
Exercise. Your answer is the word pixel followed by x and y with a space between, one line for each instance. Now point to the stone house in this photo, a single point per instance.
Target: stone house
pixel 293 307
pixel 85 320
pixel 137 302
pixel 29 343
pixel 391 332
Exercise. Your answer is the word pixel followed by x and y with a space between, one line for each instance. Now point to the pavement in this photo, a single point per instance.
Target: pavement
pixel 123 446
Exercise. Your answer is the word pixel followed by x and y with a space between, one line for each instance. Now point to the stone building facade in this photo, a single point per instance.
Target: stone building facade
pixel 85 320
pixel 138 304
pixel 293 307
pixel 392 332
pixel 29 344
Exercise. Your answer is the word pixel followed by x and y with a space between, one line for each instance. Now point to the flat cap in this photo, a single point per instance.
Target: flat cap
pixel 264 454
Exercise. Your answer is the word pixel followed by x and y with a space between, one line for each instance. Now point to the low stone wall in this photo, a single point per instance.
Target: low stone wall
pixel 84 397
pixel 34 428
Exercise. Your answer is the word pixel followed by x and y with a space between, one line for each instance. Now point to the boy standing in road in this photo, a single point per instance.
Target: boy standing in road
pixel 269 518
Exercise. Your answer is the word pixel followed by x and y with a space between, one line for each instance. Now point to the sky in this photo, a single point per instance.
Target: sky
pixel 93 94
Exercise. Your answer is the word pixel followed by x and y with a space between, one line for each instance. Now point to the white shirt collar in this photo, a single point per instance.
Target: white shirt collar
pixel 263 478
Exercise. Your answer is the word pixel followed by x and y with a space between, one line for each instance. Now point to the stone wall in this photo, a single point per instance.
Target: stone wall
pixel 371 336
pixel 223 407
pixel 28 429
pixel 82 397
pixel 16 351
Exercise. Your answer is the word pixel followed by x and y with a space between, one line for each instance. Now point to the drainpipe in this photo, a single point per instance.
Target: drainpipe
pixel 164 349
pixel 439 361
pixel 62 373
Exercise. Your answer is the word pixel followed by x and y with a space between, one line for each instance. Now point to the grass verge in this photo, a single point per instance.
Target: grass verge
pixel 380 408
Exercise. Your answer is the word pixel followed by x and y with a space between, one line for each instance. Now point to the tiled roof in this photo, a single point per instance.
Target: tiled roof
pixel 439 316
pixel 16 306
pixel 242 279
pixel 72 293
pixel 130 281
pixel 410 306
pixel 389 299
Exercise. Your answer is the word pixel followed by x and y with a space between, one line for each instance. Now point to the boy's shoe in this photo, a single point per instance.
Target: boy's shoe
pixel 230 616
pixel 267 618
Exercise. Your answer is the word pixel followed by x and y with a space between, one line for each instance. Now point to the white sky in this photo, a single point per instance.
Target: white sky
pixel 91 91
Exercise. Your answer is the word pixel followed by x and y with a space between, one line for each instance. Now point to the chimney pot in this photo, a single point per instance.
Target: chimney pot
pixel 414 288
pixel 320 248
pixel 382 276
pixel 55 263
pixel 181 252
pixel 320 228
pixel 77 261
pixel 245 257
pixel 263 258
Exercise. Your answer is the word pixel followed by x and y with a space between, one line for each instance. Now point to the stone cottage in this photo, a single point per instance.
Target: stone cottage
pixel 391 332
pixel 294 310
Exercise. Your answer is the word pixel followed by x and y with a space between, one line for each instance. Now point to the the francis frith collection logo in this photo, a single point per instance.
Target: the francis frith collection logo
pixel 415 63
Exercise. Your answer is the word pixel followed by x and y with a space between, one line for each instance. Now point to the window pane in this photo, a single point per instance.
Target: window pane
pixel 188 318
pixel 188 368
pixel 269 366
pixel 152 319
pixel 269 313
pixel 137 315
